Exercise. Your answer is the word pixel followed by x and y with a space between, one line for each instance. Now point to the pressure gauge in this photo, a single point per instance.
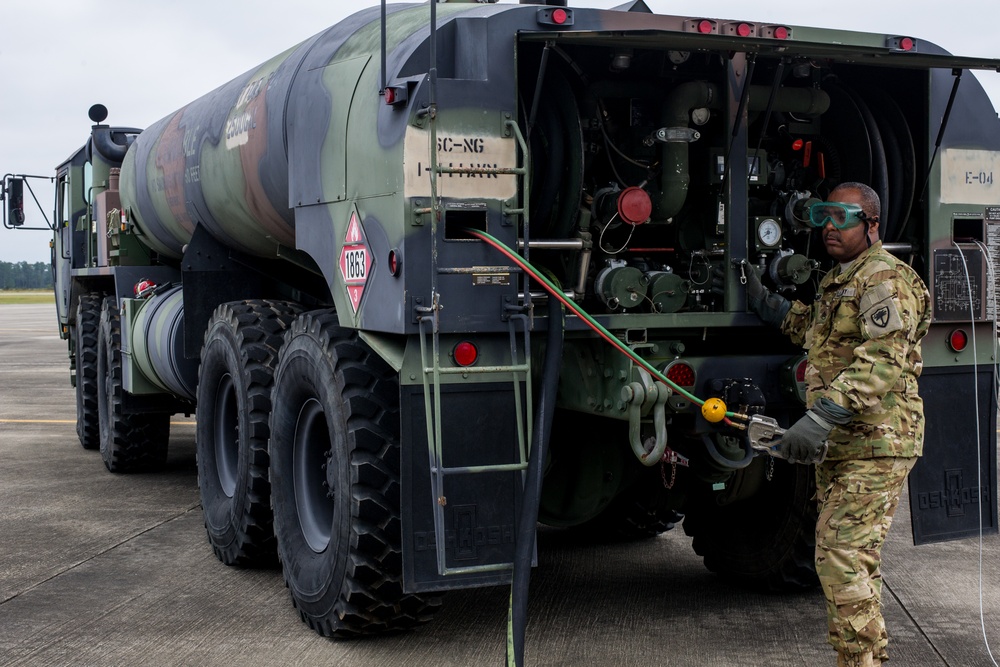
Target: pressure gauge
pixel 678 57
pixel 700 116
pixel 768 233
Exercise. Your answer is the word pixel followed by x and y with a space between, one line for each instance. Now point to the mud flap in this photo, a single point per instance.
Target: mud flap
pixel 945 485
pixel 478 428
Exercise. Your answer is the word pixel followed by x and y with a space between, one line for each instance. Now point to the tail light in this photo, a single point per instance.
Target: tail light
pixel 958 340
pixel 680 373
pixel 465 353
pixel 793 378
pixel 683 375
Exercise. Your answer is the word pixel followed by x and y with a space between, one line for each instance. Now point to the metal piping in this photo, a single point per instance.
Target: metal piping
pixel 674 175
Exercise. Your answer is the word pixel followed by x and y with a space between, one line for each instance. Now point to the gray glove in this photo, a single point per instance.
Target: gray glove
pixel 805 440
pixel 771 308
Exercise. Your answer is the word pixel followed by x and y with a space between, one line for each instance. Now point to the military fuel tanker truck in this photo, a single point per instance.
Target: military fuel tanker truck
pixel 430 276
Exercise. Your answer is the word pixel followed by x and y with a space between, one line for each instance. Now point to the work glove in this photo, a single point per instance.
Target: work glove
pixel 805 440
pixel 771 308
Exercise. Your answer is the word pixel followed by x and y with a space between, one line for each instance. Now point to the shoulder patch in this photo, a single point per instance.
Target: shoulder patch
pixel 876 293
pixel 879 313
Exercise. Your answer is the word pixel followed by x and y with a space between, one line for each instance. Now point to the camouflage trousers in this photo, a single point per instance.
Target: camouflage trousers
pixel 857 500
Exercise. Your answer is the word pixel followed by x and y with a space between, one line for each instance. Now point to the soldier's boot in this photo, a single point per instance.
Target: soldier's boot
pixel 857 660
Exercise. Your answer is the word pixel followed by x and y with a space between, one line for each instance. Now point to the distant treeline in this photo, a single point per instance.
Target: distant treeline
pixel 22 275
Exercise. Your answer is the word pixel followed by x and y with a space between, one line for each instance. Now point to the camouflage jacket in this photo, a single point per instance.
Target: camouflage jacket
pixel 862 336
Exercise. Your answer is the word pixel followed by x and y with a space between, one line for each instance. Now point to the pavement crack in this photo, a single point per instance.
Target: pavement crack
pixel 112 547
pixel 913 620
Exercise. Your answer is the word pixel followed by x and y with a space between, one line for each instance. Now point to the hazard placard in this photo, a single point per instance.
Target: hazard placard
pixel 355 261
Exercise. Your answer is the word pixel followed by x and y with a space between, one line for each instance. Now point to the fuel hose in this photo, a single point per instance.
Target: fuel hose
pixel 597 327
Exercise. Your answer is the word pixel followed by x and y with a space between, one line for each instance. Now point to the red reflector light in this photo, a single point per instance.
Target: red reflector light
pixel 394 96
pixel 743 30
pixel 781 32
pixel 634 205
pixel 680 373
pixel 797 145
pixel 705 26
pixel 900 43
pixel 559 16
pixel 800 371
pixel 395 263
pixel 465 353
pixel 958 340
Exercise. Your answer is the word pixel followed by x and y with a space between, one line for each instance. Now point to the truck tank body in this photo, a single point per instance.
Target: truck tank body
pixel 222 160
pixel 285 154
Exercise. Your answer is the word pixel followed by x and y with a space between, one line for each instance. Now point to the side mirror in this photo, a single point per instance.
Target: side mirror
pixel 15 201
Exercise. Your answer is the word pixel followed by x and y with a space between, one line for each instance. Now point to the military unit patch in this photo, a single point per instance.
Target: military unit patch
pixel 879 314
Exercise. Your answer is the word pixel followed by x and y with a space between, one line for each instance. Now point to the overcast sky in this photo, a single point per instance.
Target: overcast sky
pixel 144 59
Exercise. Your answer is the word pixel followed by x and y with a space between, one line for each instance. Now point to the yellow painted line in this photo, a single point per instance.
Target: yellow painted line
pixel 67 421
pixel 36 421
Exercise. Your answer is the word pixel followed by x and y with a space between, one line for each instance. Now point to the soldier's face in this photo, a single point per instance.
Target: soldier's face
pixel 843 245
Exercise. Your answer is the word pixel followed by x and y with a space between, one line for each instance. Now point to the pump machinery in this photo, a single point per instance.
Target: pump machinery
pixel 446 271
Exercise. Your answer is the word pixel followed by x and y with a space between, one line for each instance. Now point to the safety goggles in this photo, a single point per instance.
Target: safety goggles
pixel 842 216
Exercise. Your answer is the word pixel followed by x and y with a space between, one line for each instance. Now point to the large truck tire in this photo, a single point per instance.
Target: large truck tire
pixel 335 484
pixel 595 486
pixel 234 405
pixel 637 513
pixel 129 442
pixel 766 542
pixel 88 320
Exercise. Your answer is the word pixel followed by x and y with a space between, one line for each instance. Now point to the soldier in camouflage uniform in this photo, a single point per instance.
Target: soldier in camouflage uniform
pixel 863 336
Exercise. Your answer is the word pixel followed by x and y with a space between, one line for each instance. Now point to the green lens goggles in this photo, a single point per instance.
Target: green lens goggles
pixel 842 216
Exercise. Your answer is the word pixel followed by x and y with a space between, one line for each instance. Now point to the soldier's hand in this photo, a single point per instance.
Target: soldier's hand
pixel 756 292
pixel 769 307
pixel 803 441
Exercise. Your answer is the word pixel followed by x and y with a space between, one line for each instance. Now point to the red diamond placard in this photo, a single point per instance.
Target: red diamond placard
pixel 355 261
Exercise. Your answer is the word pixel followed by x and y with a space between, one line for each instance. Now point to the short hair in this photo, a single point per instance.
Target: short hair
pixel 870 203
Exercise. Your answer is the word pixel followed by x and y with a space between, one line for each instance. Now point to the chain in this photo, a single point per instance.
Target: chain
pixel 769 472
pixel 673 474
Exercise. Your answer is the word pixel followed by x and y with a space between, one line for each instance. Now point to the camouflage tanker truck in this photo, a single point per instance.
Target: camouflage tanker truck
pixel 390 265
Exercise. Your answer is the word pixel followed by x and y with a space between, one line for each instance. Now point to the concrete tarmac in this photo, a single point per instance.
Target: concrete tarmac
pixel 101 569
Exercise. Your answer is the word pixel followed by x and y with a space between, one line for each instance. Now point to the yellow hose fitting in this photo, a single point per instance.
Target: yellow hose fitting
pixel 713 410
